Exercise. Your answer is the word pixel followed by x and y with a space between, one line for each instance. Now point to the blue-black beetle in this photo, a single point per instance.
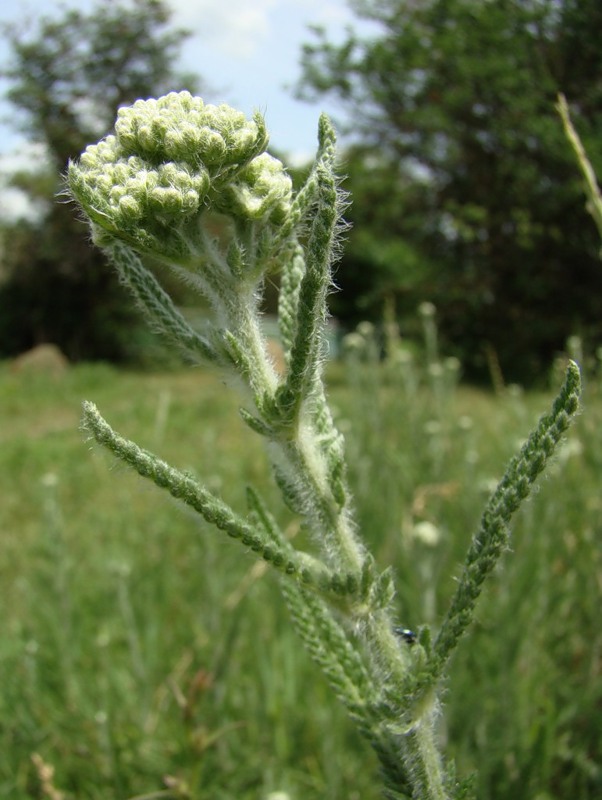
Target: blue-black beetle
pixel 406 634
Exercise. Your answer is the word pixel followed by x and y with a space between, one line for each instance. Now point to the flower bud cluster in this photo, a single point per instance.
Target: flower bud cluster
pixel 171 160
pixel 180 127
pixel 261 190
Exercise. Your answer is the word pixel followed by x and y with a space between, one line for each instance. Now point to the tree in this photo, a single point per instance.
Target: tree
pixel 461 93
pixel 69 75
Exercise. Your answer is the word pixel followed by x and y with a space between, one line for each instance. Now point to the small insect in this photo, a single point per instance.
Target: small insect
pixel 408 636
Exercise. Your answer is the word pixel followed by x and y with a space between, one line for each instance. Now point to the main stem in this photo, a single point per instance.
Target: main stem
pixel 422 761
pixel 330 521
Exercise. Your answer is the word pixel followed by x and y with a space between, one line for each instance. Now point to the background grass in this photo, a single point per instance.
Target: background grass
pixel 141 650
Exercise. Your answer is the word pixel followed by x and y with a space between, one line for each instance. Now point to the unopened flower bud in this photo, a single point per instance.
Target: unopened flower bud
pixel 169 161
pixel 262 190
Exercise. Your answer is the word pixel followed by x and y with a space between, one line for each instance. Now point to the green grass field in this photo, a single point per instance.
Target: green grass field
pixel 143 655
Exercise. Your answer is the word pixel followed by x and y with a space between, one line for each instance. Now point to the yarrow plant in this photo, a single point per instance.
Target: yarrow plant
pixel 191 184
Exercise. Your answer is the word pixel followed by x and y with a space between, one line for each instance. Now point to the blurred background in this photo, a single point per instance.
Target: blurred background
pixel 464 191
pixel 141 656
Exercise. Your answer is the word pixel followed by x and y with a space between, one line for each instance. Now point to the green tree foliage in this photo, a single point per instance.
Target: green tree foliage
pixel 464 189
pixel 68 75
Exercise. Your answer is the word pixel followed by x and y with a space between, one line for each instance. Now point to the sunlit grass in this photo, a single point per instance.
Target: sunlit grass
pixel 141 650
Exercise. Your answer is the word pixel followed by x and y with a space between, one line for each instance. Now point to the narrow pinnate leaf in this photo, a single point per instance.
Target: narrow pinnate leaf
pixel 305 350
pixel 158 305
pixel 185 488
pixel 330 647
pixel 493 535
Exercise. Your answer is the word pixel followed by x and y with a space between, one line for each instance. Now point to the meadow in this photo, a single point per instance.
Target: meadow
pixel 143 655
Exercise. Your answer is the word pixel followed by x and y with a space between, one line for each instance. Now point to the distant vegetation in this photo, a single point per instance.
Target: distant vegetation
pixel 67 76
pixel 463 190
pixel 140 650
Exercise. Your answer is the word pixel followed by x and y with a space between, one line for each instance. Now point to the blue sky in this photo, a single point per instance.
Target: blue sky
pixel 247 50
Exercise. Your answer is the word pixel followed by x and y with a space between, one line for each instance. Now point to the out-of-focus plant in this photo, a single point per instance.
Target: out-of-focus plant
pixel 592 190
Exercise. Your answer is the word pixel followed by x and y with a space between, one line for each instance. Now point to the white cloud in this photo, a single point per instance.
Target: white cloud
pixel 27 157
pixel 234 27
pixel 14 203
pixel 325 12
pixel 246 51
pixel 240 28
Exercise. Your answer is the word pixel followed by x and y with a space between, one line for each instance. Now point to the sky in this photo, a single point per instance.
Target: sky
pixel 247 51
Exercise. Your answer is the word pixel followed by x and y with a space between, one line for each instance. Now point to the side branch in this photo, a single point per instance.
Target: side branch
pixel 492 537
pixel 183 487
pixel 302 566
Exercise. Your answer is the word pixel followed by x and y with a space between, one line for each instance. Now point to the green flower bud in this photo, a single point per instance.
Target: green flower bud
pixel 169 161
pixel 261 191
pixel 180 127
pixel 147 207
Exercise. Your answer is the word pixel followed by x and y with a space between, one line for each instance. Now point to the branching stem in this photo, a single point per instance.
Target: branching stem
pixel 208 160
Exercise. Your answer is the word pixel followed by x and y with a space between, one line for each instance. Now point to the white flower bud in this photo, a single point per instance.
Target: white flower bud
pixel 169 161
